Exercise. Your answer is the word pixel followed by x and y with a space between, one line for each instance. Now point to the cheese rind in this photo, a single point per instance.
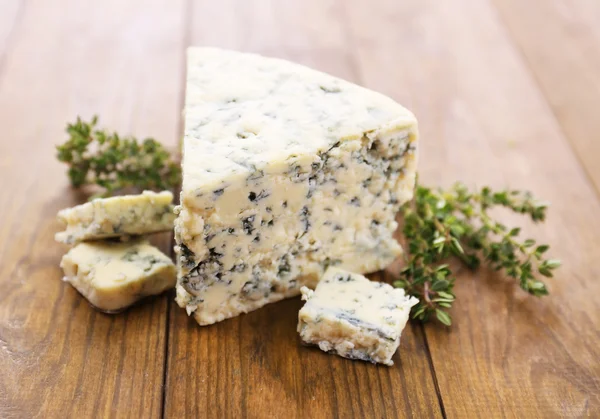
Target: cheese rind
pixel 146 213
pixel 286 171
pixel 114 275
pixel 353 317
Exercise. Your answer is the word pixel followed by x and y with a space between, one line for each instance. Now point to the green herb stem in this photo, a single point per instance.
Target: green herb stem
pixel 114 163
pixel 440 224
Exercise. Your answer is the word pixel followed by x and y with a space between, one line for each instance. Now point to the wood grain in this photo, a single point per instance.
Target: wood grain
pixel 10 18
pixel 254 365
pixel 506 92
pixel 560 41
pixel 484 120
pixel 58 356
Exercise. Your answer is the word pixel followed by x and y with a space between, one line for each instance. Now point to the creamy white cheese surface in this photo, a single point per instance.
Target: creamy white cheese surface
pixel 114 275
pixel 146 213
pixel 286 171
pixel 244 111
pixel 353 317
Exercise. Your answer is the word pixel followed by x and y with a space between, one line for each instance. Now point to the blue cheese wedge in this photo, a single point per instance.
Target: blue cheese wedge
pixel 118 216
pixel 114 275
pixel 353 317
pixel 286 171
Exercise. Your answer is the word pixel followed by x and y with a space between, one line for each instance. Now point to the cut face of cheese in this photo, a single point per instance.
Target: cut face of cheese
pixel 286 171
pixel 102 218
pixel 114 275
pixel 353 317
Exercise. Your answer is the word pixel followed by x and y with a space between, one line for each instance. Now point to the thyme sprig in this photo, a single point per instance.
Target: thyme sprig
pixel 439 224
pixel 98 157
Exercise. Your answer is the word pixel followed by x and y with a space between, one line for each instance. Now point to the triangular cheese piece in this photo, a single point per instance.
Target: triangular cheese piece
pixel 286 171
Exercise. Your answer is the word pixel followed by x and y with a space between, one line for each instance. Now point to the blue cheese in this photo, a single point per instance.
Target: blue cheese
pixel 353 317
pixel 286 171
pixel 114 275
pixel 102 218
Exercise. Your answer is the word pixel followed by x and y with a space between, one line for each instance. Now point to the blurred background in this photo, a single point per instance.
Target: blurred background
pixel 507 93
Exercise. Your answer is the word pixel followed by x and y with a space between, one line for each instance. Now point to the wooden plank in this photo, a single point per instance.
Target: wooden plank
pixel 10 16
pixel 58 356
pixel 561 43
pixel 484 121
pixel 254 365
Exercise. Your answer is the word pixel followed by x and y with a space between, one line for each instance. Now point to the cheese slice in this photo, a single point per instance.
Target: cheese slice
pixel 114 275
pixel 286 171
pixel 117 216
pixel 353 317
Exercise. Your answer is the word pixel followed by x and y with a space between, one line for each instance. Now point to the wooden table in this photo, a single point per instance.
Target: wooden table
pixel 507 93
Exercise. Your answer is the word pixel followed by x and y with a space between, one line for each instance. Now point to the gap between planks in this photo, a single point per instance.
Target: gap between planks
pixel 436 384
pixel 187 10
pixel 8 38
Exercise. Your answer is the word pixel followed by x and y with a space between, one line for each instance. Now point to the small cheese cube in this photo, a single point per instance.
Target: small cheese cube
pixel 114 275
pixel 101 218
pixel 353 317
